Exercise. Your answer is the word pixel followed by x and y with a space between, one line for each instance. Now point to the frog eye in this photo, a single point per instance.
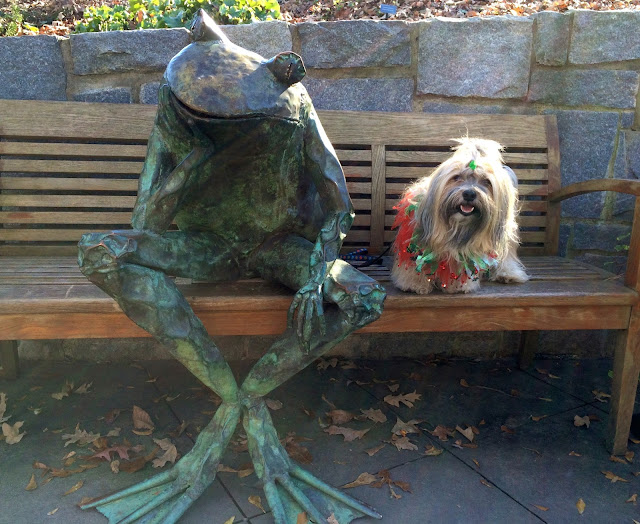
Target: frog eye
pixel 287 67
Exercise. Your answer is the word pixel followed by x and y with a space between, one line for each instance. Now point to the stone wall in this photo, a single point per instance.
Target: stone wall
pixel 582 66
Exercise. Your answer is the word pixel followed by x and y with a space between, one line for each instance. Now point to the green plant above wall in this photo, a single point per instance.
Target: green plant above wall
pixel 159 14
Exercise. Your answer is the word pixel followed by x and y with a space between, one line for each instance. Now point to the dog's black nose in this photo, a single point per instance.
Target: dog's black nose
pixel 469 195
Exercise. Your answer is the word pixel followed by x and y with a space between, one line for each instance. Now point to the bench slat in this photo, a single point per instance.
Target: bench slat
pixel 438 157
pixel 57 150
pixel 64 217
pixel 70 166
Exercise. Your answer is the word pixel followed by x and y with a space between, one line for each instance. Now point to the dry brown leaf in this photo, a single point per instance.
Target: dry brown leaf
pixel 538 418
pixel 245 472
pixel 404 486
pixel 393 493
pixel 302 518
pixel 574 454
pixel 65 392
pixel 12 433
pixel 581 506
pixel 633 498
pixel 170 453
pixel 296 451
pixel 131 466
pixel 324 364
pixel 230 521
pixel 348 365
pixel 442 432
pixel 74 488
pixel 403 443
pixel 581 421
pixel 432 451
pixel 393 387
pixel 507 429
pixel 464 383
pixel 53 511
pixel 629 456
pixel 348 433
pixel 371 452
pixel 613 477
pixel 112 415
pixel 476 462
pixel 226 469
pixel 402 428
pixel 84 389
pixel 483 481
pixel 339 416
pixel 272 404
pixel 619 460
pixel 407 399
pixel 32 483
pixel 3 407
pixel 375 415
pixel 467 433
pixel 541 508
pixel 141 419
pixel 115 466
pixel 80 437
pixel 364 479
pixel 257 502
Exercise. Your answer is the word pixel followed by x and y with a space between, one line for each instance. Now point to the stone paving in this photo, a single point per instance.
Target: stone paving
pixel 528 462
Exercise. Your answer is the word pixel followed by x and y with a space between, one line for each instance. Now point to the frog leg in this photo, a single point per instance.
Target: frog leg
pixel 354 301
pixel 130 266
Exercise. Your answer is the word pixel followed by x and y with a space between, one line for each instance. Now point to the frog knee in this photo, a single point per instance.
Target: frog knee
pixel 103 252
pixel 372 298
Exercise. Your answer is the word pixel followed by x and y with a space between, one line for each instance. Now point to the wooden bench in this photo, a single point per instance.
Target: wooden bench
pixel 68 168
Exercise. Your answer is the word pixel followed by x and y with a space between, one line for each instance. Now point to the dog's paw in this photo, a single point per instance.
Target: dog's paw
pixel 513 277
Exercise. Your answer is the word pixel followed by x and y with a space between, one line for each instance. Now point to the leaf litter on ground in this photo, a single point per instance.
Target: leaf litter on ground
pixel 407 399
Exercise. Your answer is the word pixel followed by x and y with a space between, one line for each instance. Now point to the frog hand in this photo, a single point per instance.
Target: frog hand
pixel 307 303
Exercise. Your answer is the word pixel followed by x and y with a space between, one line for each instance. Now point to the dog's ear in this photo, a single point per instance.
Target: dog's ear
pixel 512 176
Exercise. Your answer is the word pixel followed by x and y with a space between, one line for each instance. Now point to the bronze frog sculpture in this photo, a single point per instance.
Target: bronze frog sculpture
pixel 239 160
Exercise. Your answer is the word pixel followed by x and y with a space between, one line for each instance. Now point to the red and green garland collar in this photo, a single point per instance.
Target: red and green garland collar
pixel 444 270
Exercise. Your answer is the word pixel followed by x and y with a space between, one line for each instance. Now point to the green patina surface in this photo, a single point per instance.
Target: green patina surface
pixel 239 159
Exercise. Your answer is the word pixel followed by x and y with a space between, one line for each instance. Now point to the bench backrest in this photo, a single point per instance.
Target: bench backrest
pixel 69 167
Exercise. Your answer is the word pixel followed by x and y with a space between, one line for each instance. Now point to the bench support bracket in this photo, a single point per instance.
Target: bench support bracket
pixel 9 359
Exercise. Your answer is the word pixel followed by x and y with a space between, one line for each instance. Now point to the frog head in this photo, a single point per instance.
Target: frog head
pixel 214 77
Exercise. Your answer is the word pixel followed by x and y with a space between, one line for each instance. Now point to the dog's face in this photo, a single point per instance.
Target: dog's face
pixel 468 203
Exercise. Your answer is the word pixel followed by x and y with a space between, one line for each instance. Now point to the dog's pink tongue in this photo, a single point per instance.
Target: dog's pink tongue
pixel 467 209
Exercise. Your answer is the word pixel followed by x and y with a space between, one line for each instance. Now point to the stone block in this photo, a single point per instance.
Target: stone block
pixel 149 93
pixel 361 94
pixel 587 141
pixel 355 43
pixel 32 68
pixel 615 89
pixel 627 119
pixel 605 36
pixel 120 51
pixel 627 165
pixel 485 57
pixel 265 38
pixel 111 95
pixel 551 44
pixel 445 106
pixel 600 237
pixel 612 263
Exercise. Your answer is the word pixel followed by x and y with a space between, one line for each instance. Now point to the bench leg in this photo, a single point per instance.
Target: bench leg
pixel 626 368
pixel 9 358
pixel 528 347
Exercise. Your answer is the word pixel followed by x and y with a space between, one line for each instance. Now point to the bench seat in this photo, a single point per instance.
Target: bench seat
pixel 561 295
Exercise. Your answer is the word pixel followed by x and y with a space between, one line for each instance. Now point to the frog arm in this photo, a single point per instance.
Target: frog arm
pixel 163 183
pixel 322 164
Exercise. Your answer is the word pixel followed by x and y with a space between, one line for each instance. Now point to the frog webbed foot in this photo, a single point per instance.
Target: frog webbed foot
pixel 165 497
pixel 289 489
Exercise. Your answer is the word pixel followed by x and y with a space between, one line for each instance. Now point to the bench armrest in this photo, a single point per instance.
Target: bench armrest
pixel 630 187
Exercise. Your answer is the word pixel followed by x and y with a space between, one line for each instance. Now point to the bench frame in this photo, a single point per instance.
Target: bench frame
pixel 78 175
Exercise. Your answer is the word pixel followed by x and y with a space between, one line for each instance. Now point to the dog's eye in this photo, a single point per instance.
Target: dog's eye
pixel 457 178
pixel 486 183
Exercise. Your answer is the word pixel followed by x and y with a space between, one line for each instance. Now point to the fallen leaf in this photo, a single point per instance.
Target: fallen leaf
pixel 131 466
pixel 84 389
pixel 581 506
pixel 633 498
pixel 110 417
pixel 364 479
pixel 331 404
pixel 40 465
pixel 115 466
pixel 393 387
pixel 302 518
pixel 538 418
pixel 52 512
pixel 3 407
pixel 613 477
pixel 507 429
pixel 579 421
pixel 442 432
pixel 619 460
pixel 545 399
pixel 574 454
pixel 272 404
pixel 402 428
pixel 170 453
pixel 226 469
pixel 541 508
pixel 339 416
pixel 80 437
pixel 404 486
pixel 32 483
pixel 393 493
pixel 371 452
pixel 467 433
pixel 375 415
pixel 403 443
pixel 348 433
pixel 432 451
pixel 12 433
pixel 74 488
pixel 141 419
pixel 476 462
pixel 296 451
pixel 407 399
pixel 464 383
pixel 324 364
pixel 230 521
pixel 115 432
pixel 65 392
pixel 348 365
pixel 629 456
pixel 245 472
pixel 482 481
pixel 257 501
pixel 600 396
